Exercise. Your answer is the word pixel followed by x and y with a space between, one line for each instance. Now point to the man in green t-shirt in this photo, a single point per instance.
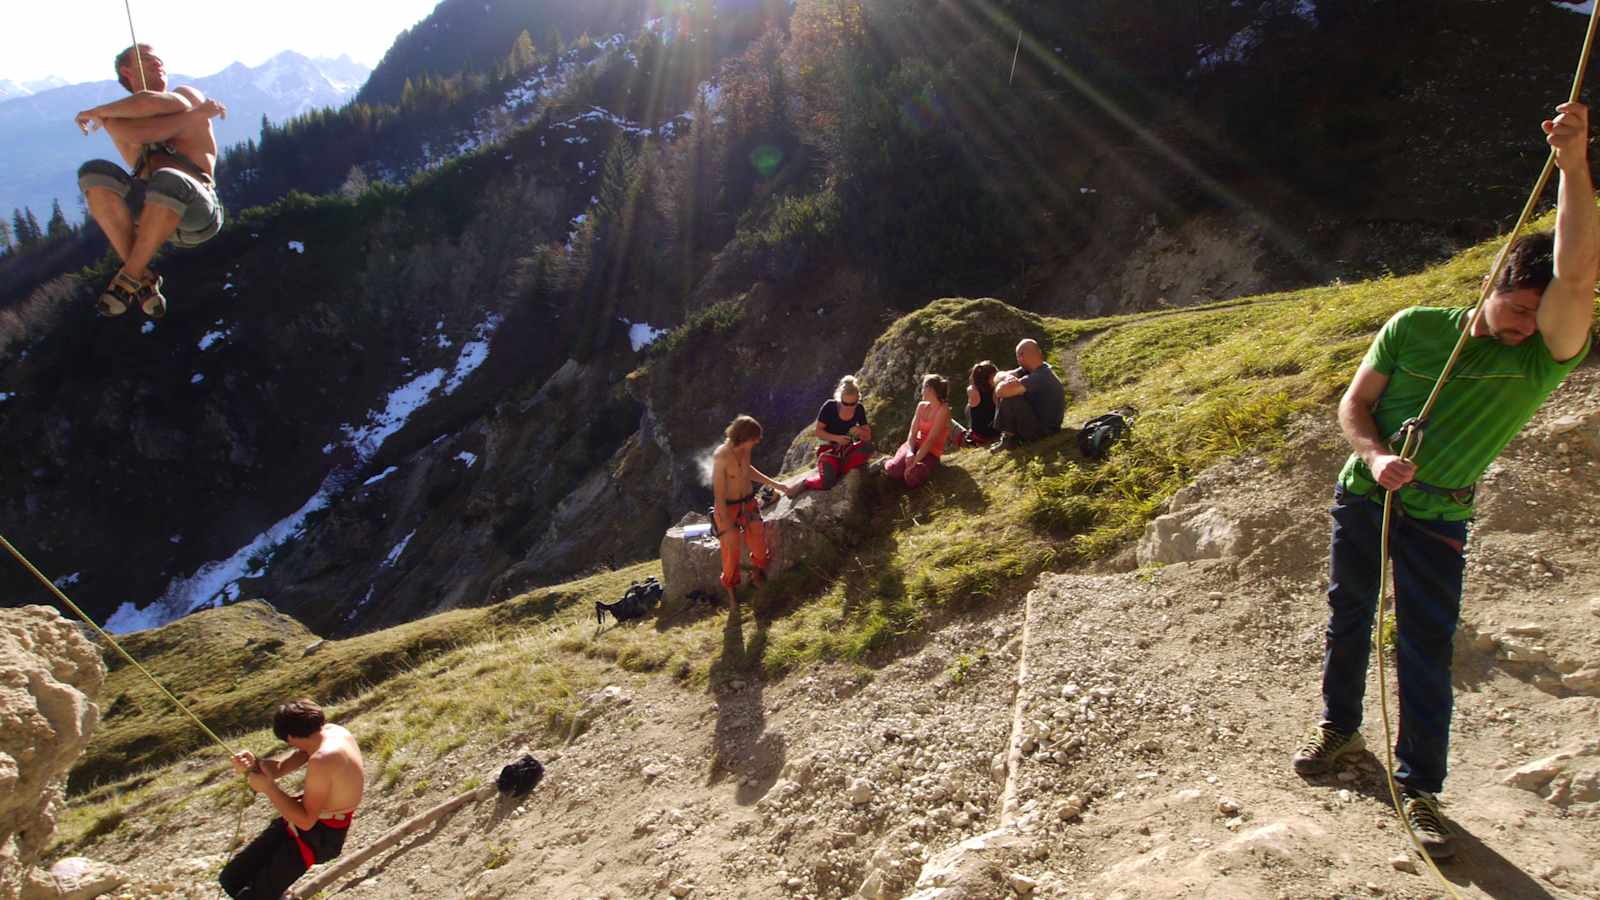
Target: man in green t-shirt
pixel 1534 331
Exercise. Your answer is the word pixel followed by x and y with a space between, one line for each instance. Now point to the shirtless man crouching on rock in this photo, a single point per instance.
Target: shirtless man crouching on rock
pixel 311 828
pixel 737 513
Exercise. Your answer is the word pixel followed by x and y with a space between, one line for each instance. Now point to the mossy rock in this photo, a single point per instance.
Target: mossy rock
pixel 945 337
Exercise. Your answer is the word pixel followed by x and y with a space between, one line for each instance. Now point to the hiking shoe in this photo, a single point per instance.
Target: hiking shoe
pixel 1323 747
pixel 1422 814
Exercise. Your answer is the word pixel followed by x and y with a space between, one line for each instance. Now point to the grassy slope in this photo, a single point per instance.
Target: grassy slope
pixel 1209 382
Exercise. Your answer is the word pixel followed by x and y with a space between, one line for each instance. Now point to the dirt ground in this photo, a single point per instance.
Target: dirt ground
pixel 1153 727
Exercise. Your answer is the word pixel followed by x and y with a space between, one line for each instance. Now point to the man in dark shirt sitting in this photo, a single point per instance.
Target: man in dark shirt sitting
pixel 1029 400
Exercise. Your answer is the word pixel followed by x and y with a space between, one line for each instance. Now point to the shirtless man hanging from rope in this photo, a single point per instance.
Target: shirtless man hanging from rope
pixel 310 828
pixel 165 136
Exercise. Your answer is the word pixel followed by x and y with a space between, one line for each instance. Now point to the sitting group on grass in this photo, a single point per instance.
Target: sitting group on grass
pixel 1004 409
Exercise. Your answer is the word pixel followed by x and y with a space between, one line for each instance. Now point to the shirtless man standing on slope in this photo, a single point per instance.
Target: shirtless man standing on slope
pixel 165 136
pixel 311 828
pixel 737 513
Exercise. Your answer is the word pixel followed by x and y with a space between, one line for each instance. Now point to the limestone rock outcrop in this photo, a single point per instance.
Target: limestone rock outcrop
pixel 49 673
pixel 815 527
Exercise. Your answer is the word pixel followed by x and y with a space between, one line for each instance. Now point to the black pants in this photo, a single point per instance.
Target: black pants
pixel 1015 415
pixel 265 868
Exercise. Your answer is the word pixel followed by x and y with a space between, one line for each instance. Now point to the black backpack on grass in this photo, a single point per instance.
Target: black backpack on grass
pixel 635 602
pixel 1098 434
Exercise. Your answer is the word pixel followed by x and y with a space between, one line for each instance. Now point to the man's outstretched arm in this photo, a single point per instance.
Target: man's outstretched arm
pixel 1566 313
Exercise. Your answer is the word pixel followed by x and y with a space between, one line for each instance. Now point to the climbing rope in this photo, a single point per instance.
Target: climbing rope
pixel 67 601
pixel 1413 442
pixel 138 57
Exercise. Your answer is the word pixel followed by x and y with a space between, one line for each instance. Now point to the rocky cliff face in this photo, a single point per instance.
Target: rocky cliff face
pixel 49 676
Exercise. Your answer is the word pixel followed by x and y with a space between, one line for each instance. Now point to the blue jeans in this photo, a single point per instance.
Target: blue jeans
pixel 1429 559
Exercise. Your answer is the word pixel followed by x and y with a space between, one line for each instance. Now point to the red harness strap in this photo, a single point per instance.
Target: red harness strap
pixel 337 823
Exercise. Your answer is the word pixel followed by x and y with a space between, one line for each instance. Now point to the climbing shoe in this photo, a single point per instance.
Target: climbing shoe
pixel 150 299
pixel 1323 747
pixel 119 296
pixel 1422 814
pixel 125 292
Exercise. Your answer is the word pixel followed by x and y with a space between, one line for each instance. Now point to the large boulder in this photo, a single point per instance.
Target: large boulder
pixel 945 337
pixel 817 527
pixel 48 674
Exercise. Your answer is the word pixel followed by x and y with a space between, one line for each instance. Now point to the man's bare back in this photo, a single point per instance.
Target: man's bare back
pixel 338 768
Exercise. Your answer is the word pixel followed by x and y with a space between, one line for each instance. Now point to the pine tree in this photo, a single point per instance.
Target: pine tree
pixel 523 55
pixel 35 233
pixel 554 43
pixel 21 233
pixel 5 239
pixel 58 228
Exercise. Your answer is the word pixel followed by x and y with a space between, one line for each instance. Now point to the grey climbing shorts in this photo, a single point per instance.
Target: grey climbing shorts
pixel 192 199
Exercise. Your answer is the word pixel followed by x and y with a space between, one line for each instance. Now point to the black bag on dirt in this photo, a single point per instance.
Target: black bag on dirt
pixel 1098 434
pixel 521 776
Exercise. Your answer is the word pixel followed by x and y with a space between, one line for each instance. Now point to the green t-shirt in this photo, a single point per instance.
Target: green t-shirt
pixel 1493 391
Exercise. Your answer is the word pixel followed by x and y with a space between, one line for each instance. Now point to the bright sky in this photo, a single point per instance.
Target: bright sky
pixel 77 39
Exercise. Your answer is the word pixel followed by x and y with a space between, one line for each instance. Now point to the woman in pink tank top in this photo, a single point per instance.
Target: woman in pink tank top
pixel 925 439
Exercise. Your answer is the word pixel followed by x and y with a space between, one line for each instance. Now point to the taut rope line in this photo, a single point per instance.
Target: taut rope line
pixel 138 57
pixel 1413 441
pixel 17 554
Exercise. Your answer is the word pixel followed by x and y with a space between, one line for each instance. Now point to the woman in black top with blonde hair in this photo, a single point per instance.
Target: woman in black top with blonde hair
pixel 844 438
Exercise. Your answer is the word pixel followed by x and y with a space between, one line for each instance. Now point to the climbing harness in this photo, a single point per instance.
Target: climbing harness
pixel 1412 432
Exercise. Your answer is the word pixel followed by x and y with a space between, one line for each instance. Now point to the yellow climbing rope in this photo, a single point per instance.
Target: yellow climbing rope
pixel 1413 442
pixel 67 601
pixel 138 57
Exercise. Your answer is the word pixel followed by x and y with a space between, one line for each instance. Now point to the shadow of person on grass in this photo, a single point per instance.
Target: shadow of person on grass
pixel 742 750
